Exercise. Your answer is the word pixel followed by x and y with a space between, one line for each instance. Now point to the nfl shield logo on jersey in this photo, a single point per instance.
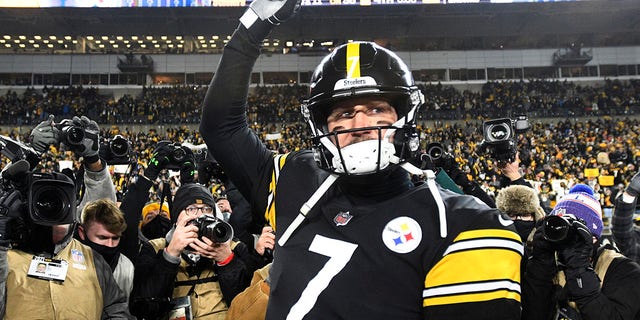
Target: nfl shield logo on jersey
pixel 342 218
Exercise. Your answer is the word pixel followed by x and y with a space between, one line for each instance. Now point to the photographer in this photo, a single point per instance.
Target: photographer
pixel 37 220
pixel 436 158
pixel 625 234
pixel 187 267
pixel 588 280
pixel 137 196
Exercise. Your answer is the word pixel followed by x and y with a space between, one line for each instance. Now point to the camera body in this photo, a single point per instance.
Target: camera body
pixel 559 228
pixel 117 150
pixel 499 137
pixel 177 154
pixel 216 230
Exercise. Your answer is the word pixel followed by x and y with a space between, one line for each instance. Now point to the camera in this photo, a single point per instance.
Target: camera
pixel 51 198
pixel 499 137
pixel 177 154
pixel 117 150
pixel 70 134
pixel 214 229
pixel 33 198
pixel 16 150
pixel 559 228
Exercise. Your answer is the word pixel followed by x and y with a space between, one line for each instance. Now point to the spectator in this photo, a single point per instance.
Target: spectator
pixel 357 203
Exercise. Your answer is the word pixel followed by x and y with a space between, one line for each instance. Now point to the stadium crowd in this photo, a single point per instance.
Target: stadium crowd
pixel 280 104
pixel 556 153
pixel 557 149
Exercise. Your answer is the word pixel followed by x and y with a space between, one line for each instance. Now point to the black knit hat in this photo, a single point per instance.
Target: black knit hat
pixel 189 194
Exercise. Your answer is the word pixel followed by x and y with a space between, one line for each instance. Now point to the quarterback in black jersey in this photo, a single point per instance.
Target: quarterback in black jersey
pixel 355 238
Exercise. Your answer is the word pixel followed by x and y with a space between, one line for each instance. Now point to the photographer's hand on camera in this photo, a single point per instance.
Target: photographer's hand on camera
pixel 582 281
pixel 89 146
pixel 220 253
pixel 266 241
pixel 188 168
pixel 263 15
pixel 159 159
pixel 184 234
pixel 44 135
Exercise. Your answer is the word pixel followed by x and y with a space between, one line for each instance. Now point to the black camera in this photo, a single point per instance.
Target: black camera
pixel 16 150
pixel 214 229
pixel 559 228
pixel 117 150
pixel 32 198
pixel 499 137
pixel 177 154
pixel 70 134
pixel 51 199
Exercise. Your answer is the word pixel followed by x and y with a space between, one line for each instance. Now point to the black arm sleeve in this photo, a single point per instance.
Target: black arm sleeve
pixel 234 277
pixel 243 157
pixel 134 200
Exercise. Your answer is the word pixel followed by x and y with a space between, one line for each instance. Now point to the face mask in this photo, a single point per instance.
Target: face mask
pixel 110 254
pixel 524 228
pixel 156 228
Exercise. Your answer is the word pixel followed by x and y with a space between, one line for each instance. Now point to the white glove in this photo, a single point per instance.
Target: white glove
pixel 262 15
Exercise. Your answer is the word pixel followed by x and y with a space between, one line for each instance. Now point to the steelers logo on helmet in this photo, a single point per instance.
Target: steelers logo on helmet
pixel 355 70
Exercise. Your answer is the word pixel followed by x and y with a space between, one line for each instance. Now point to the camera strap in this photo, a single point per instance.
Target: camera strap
pixel 195 282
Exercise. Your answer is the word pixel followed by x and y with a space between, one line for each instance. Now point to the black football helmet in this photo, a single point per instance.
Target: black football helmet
pixel 362 69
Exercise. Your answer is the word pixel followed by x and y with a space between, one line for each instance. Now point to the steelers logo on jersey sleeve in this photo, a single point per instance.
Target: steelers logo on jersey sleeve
pixel 402 235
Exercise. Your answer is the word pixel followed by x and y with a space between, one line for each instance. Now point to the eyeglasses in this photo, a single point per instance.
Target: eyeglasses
pixel 194 209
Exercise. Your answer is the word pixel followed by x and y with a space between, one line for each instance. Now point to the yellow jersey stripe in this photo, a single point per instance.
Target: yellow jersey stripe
pixel 471 297
pixel 270 211
pixel 487 233
pixel 353 60
pixel 475 266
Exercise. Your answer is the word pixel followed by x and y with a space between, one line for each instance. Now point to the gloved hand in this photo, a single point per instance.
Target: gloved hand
pixel 582 281
pixel 159 159
pixel 88 147
pixel 262 15
pixel 188 170
pixel 634 185
pixel 45 134
pixel 543 251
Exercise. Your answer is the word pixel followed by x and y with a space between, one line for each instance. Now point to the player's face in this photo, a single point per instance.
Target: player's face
pixel 360 113
pixel 97 233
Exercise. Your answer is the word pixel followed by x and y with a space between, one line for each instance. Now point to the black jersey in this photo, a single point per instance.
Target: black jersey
pixel 387 260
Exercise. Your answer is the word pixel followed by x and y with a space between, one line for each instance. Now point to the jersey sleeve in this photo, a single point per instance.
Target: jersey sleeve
pixel 478 275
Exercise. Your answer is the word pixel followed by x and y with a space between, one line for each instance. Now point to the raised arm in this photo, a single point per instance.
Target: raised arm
pixel 244 158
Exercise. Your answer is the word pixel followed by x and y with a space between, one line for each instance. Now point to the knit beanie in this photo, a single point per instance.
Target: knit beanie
pixel 581 202
pixel 189 194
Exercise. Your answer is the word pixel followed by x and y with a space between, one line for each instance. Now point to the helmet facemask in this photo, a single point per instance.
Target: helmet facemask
pixel 395 143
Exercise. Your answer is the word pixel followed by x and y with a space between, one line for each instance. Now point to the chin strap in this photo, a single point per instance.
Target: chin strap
pixel 306 207
pixel 431 182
